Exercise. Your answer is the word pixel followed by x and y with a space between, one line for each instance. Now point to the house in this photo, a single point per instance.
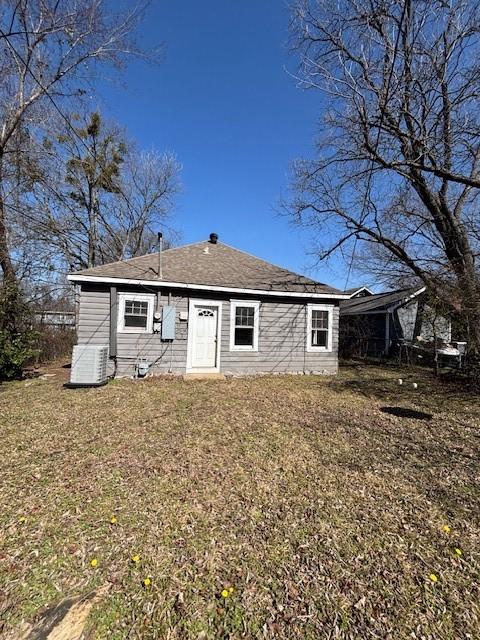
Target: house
pixel 371 324
pixel 59 319
pixel 207 308
pixel 358 292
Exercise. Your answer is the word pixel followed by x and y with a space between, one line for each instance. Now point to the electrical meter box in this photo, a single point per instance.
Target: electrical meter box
pixel 168 322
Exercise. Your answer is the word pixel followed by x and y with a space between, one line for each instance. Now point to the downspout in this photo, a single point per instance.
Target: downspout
pixel 305 338
pixel 113 327
pixel 77 298
pixel 170 368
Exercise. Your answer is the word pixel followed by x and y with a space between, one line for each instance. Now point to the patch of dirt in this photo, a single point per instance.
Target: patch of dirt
pixel 64 621
pixel 58 369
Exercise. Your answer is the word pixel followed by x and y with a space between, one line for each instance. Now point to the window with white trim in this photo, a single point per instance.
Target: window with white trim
pixel 244 325
pixel 135 312
pixel 319 327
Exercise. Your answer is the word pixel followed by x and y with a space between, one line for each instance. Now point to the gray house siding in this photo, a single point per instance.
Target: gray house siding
pixel 281 343
pixel 94 318
pixel 407 317
pixel 416 319
pixel 94 328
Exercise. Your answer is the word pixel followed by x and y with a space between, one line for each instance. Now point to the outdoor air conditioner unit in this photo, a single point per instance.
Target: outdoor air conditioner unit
pixel 89 365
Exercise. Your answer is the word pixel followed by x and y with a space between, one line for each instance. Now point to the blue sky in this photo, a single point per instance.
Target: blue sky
pixel 223 102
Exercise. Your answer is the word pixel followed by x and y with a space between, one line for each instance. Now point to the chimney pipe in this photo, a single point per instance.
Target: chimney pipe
pixel 160 247
pixel 213 238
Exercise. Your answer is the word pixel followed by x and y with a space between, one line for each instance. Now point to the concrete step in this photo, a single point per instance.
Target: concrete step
pixel 203 376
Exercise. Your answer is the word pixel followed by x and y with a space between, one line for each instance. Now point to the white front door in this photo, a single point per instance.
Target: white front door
pixel 205 336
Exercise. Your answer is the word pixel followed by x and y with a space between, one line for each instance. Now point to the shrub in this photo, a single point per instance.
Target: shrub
pixel 54 342
pixel 17 335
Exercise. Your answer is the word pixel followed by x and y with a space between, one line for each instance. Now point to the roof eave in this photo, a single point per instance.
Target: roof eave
pixel 73 277
pixel 352 311
pixel 356 312
pixel 406 299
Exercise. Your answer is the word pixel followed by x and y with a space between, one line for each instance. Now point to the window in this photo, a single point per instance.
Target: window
pixel 319 327
pixel 244 322
pixel 135 312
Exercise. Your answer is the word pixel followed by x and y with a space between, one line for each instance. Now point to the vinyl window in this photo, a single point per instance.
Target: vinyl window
pixel 244 325
pixel 135 312
pixel 319 327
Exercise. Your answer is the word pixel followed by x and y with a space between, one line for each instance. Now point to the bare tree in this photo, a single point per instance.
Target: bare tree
pixel 49 52
pixel 149 184
pixel 74 218
pixel 398 154
pixel 108 201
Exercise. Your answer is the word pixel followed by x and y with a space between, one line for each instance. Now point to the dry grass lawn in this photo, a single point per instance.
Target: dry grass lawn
pixel 319 514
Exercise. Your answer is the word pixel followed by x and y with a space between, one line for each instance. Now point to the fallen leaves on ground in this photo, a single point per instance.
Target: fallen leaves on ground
pixel 328 515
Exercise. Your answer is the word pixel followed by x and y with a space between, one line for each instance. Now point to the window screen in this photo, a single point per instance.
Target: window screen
pixel 136 313
pixel 319 328
pixel 244 326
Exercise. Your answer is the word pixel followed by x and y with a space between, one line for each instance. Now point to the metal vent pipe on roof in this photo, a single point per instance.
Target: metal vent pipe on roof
pixel 213 238
pixel 160 249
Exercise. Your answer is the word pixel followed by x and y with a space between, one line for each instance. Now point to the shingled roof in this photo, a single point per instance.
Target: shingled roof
pixel 208 264
pixel 378 302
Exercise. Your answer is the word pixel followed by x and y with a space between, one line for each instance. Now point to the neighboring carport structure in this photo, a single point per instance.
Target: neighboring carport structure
pixel 376 322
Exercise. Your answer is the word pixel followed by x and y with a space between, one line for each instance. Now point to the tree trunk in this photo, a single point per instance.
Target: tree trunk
pixel 5 260
pixel 473 330
pixel 6 263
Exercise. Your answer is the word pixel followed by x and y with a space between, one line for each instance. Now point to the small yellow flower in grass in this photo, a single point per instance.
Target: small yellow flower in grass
pixel 22 520
pixel 135 559
pixel 458 551
pixel 113 520
pixel 94 562
pixel 225 593
pixel 230 590
pixel 433 577
pixel 446 528
pixel 147 582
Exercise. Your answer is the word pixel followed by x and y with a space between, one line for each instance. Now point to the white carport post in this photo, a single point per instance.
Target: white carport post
pixel 387 333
